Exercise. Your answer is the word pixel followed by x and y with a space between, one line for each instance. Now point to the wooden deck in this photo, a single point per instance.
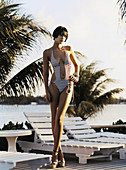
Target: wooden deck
pixel 116 164
pixel 98 165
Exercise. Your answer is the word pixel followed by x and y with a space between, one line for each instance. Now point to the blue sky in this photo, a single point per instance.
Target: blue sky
pixel 94 30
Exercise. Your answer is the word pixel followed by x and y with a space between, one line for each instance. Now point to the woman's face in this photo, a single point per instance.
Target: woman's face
pixel 60 39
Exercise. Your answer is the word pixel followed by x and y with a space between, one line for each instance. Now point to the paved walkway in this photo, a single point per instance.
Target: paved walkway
pixel 116 164
pixel 104 165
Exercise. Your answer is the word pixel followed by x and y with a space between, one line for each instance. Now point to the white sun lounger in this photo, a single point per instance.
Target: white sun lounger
pixel 78 129
pixel 41 123
pixel 9 160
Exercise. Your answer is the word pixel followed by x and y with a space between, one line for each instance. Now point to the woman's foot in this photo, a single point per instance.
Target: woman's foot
pixel 61 160
pixel 54 162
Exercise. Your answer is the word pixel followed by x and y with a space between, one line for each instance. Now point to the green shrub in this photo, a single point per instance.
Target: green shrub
pixel 118 129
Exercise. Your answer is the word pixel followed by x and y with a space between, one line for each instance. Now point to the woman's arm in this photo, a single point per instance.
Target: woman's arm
pixel 74 78
pixel 46 73
pixel 45 69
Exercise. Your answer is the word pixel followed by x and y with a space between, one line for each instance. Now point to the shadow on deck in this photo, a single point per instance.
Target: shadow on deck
pixel 93 164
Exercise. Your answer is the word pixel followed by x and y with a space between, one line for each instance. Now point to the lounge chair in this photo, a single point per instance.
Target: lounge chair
pixel 78 129
pixel 41 123
pixel 9 160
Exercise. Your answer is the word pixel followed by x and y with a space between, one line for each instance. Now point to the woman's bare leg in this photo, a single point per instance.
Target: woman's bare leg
pixel 54 104
pixel 64 101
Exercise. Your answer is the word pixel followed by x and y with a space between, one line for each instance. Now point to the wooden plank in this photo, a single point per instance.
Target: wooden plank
pixel 106 140
pixel 107 126
pixel 46 138
pixel 48 114
pixel 81 131
pixel 85 136
pixel 50 138
pixel 48 119
pixel 82 144
pixel 76 127
pixel 69 123
pixel 43 131
pixel 38 114
pixel 72 118
pixel 39 119
pixel 112 135
pixel 41 125
pixel 20 157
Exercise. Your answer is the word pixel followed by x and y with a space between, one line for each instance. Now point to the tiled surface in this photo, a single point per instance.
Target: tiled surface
pixel 73 164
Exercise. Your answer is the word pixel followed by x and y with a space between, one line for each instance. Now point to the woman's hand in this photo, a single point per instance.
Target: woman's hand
pixel 73 78
pixel 48 96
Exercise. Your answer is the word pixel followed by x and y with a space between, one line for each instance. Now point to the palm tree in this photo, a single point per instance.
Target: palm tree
pixel 90 92
pixel 24 82
pixel 17 34
pixel 122 6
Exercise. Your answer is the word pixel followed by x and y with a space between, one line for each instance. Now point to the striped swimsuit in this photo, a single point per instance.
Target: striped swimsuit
pixel 61 83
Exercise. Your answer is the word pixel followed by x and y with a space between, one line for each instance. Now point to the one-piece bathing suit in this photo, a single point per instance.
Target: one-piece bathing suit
pixel 61 83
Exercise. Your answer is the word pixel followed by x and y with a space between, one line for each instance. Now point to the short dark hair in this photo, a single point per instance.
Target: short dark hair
pixel 60 31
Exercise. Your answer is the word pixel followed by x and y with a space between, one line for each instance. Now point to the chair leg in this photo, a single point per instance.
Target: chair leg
pixel 6 166
pixel 82 158
pixel 110 157
pixel 26 150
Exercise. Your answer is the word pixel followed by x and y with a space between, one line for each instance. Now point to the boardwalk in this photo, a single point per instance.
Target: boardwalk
pixel 116 164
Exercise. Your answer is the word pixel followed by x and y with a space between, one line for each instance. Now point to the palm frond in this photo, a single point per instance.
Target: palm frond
pixel 122 6
pixel 3 3
pixel 17 34
pixel 24 82
pixel 102 85
pixel 92 88
pixel 72 111
pixel 84 108
pixel 79 55
pixel 104 98
pixel 122 14
pixel 95 77
pixel 90 67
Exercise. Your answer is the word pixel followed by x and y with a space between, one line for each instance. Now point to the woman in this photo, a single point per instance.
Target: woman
pixel 59 92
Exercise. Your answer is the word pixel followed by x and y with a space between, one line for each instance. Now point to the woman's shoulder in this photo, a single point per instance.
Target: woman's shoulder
pixel 68 48
pixel 47 51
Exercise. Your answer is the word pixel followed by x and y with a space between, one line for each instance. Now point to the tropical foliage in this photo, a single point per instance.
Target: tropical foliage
pixel 90 92
pixel 17 34
pixel 122 7
pixel 24 82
